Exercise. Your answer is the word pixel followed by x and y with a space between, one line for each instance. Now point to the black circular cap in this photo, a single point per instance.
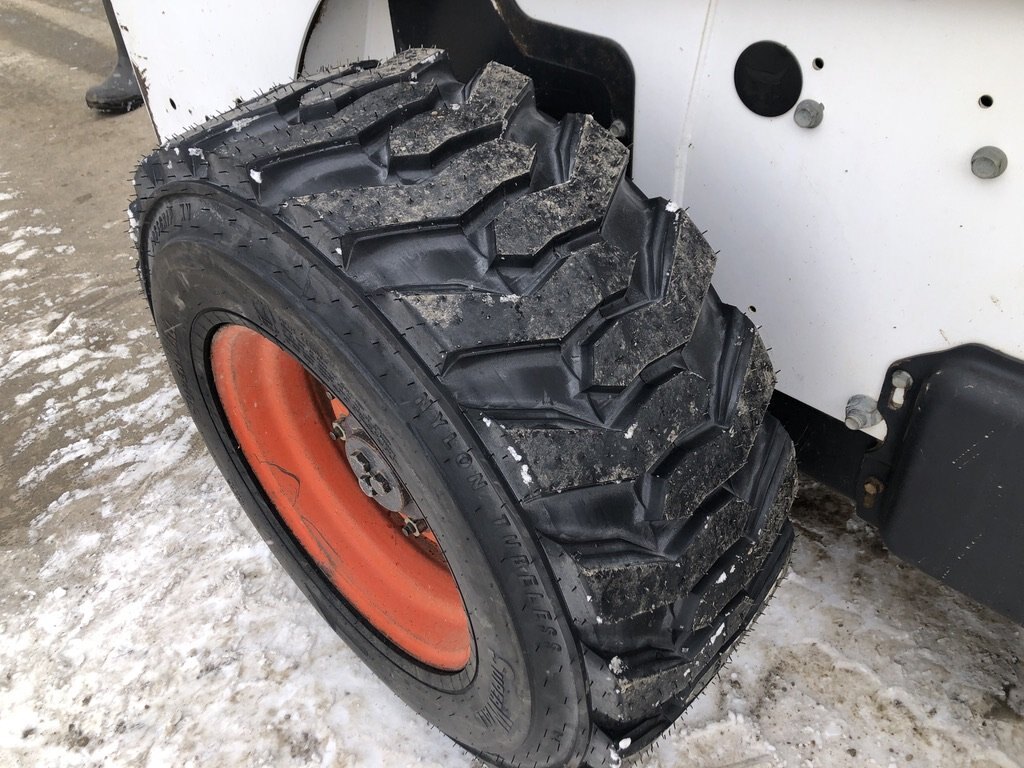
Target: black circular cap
pixel 768 78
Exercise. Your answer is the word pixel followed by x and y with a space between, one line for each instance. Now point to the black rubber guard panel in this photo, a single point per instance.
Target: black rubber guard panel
pixel 572 71
pixel 953 504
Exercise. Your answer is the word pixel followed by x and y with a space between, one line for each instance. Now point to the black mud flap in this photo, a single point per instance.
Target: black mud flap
pixel 946 487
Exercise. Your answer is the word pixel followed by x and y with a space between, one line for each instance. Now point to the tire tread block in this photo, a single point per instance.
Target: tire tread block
pixel 328 96
pixel 632 687
pixel 643 335
pixel 492 99
pixel 536 220
pixel 247 129
pixel 366 115
pixel 694 476
pixel 570 458
pixel 473 176
pixel 467 320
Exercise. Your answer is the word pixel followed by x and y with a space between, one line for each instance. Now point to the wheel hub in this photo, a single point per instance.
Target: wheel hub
pixel 374 473
pixel 377 478
pixel 340 498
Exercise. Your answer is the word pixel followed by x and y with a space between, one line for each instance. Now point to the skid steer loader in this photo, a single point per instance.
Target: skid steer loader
pixel 434 279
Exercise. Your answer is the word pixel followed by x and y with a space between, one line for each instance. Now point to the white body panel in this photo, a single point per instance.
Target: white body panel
pixel 853 244
pixel 868 238
pixel 198 59
pixel 349 30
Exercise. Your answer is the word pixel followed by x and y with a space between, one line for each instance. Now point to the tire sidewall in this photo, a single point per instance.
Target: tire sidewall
pixel 524 674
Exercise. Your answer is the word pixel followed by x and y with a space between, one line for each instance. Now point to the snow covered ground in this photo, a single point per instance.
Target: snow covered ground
pixel 142 622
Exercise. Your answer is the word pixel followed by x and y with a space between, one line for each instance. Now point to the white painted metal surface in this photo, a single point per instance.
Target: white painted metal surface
pixel 198 58
pixel 853 244
pixel 349 30
pixel 868 238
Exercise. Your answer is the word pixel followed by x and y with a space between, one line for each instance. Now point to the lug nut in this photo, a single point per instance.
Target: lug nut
pixel 337 431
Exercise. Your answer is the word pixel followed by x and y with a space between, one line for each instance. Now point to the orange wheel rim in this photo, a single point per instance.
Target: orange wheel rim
pixel 282 417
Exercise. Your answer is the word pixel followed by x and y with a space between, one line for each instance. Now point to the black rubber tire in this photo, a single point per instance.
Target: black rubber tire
pixel 534 342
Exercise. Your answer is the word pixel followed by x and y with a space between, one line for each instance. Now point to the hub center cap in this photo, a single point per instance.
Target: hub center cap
pixel 376 478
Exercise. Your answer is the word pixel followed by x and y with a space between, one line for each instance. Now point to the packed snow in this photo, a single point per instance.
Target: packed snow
pixel 144 623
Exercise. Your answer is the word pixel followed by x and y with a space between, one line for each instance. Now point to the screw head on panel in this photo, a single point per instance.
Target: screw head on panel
pixel 902 380
pixel 862 412
pixel 618 129
pixel 809 113
pixel 989 162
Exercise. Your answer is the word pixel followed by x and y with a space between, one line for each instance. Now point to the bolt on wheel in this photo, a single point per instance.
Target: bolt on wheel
pixel 340 497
